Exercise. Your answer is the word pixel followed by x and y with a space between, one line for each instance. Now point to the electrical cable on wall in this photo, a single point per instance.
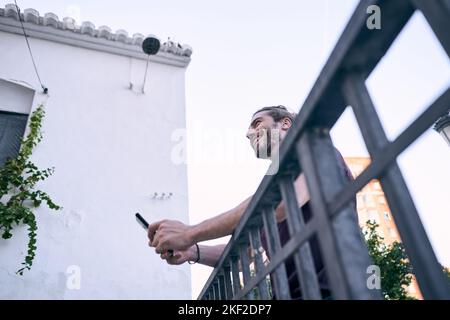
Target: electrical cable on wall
pixel 145 75
pixel 150 46
pixel 44 88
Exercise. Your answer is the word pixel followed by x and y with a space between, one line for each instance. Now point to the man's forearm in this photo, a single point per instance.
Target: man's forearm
pixel 219 226
pixel 224 224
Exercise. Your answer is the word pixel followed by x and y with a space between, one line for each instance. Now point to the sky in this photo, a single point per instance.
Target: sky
pixel 254 53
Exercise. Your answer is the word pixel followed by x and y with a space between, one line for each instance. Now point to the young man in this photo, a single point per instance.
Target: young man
pixel 182 239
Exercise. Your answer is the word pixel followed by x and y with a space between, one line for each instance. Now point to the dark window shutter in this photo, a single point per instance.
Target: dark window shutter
pixel 12 129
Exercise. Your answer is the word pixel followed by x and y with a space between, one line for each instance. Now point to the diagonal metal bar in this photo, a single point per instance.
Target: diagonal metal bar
pixel 437 13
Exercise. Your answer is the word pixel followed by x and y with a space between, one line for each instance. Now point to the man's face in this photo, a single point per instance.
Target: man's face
pixel 265 134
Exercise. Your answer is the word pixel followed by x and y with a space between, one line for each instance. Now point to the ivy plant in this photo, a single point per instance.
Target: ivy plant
pixel 18 193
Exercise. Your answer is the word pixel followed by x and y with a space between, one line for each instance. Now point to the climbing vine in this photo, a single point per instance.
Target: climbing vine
pixel 18 195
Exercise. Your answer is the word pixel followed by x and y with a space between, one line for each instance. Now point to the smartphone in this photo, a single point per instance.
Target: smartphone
pixel 142 221
pixel 145 225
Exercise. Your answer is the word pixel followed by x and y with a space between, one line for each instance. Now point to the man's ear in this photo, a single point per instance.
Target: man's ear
pixel 286 123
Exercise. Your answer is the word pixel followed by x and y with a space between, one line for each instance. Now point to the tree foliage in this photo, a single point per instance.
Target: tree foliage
pixel 395 268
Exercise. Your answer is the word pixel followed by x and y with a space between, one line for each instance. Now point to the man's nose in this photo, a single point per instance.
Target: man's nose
pixel 250 133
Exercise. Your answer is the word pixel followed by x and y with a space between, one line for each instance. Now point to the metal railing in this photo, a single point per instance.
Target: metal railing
pixel 308 149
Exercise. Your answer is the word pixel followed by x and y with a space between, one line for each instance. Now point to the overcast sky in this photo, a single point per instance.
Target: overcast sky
pixel 249 54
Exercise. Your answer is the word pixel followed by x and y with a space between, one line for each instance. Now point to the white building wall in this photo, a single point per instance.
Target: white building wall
pixel 111 149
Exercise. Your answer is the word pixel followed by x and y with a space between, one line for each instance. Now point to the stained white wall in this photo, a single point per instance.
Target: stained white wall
pixel 111 149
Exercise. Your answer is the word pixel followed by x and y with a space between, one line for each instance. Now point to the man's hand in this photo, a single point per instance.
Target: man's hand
pixel 179 257
pixel 170 235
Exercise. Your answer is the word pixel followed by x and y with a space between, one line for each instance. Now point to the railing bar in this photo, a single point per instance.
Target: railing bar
pixel 343 249
pixel 228 285
pixel 255 237
pixel 222 292
pixel 217 285
pixel 437 14
pixel 235 275
pixel 215 293
pixel 326 236
pixel 281 285
pixel 218 289
pixel 245 264
pixel 303 259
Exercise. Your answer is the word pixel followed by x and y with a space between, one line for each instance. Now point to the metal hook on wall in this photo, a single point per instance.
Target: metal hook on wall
pixel 162 196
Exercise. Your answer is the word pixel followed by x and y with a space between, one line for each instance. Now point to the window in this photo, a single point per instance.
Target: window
pixel 15 105
pixel 387 216
pixel 12 128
